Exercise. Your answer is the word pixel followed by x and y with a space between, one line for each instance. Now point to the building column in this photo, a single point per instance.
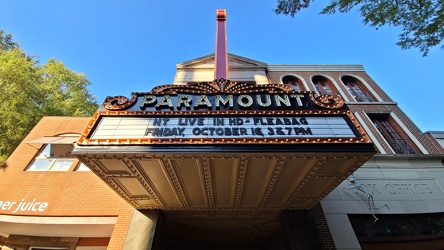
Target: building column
pixel 141 230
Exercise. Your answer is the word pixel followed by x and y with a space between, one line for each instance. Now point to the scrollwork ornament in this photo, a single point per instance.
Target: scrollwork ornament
pixel 222 86
pixel 222 83
pixel 119 102
pixel 327 101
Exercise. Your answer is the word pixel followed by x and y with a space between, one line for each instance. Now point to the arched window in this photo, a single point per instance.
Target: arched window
pixel 323 85
pixel 293 82
pixel 357 89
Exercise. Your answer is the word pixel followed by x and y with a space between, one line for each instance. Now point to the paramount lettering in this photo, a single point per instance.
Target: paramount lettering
pixel 220 102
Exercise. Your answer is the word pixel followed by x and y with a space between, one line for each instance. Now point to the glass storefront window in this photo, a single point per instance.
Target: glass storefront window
pixel 53 157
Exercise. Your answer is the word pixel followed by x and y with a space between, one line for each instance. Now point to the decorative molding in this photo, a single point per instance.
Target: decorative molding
pixel 276 171
pixel 206 169
pixel 318 176
pixel 371 103
pixel 217 86
pixel 327 101
pixel 315 67
pixel 244 62
pixel 240 184
pixel 312 165
pixel 119 102
pixel 175 178
pixel 146 182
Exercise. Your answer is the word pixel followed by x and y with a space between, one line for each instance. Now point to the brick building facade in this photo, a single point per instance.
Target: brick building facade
pixel 352 171
pixel 66 208
pixel 51 202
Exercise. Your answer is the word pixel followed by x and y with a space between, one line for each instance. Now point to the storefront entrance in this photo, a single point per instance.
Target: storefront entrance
pixel 290 230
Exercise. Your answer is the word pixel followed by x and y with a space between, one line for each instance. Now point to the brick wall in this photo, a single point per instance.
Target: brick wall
pixel 120 229
pixel 435 143
pixel 322 226
pixel 389 107
pixel 275 77
pixel 68 193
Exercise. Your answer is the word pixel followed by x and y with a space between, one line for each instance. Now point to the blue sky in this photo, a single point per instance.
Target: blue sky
pixel 126 46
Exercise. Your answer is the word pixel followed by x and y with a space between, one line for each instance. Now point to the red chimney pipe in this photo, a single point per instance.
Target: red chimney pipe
pixel 221 53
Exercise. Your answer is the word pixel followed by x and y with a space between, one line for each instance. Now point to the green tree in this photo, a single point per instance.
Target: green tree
pixel 6 42
pixel 421 21
pixel 30 90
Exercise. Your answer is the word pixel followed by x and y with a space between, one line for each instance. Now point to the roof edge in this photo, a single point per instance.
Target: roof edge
pixel 230 56
pixel 315 67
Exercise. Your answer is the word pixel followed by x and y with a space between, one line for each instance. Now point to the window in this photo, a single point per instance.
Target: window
pixel 394 135
pixel 293 82
pixel 401 231
pixel 357 89
pixel 55 155
pixel 323 85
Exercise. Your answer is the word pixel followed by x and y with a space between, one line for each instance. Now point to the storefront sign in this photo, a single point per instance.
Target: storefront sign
pixel 205 96
pixel 387 189
pixel 223 112
pixel 23 206
pixel 223 102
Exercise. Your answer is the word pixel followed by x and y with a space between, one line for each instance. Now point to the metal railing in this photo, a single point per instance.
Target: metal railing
pixel 402 146
pixel 364 97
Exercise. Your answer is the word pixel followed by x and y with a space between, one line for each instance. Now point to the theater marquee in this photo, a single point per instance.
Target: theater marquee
pixel 223 112
pixel 223 157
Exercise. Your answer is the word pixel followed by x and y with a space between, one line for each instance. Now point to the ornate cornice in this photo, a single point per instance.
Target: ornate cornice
pixel 221 86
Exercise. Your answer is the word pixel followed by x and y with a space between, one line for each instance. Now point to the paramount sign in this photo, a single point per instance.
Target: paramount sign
pixel 222 102
pixel 227 113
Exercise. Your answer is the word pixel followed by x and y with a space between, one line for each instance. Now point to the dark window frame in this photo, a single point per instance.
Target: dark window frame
pixel 357 89
pixel 294 82
pixel 393 134
pixel 397 227
pixel 323 85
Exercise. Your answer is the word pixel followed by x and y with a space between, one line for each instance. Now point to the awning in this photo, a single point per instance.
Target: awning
pixel 57 226
pixel 54 140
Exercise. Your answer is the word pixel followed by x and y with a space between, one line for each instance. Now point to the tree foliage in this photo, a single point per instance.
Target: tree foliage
pixel 421 21
pixel 6 42
pixel 30 90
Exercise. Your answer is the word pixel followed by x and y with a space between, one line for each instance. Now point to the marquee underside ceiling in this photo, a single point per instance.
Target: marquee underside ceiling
pixel 225 195
pixel 226 183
